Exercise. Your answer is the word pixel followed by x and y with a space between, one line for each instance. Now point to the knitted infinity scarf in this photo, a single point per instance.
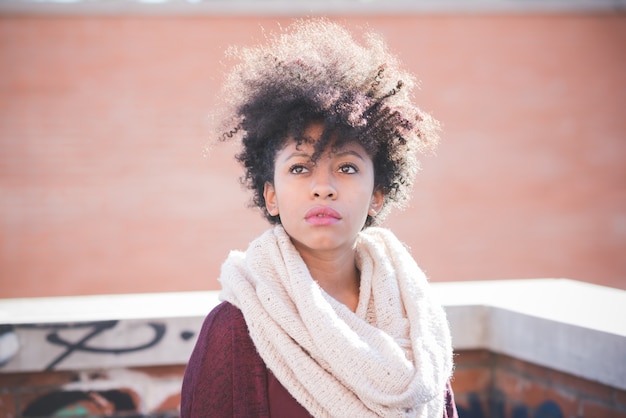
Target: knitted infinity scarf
pixel 392 357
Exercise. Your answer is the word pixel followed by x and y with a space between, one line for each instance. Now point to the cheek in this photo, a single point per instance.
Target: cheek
pixel 279 190
pixel 361 200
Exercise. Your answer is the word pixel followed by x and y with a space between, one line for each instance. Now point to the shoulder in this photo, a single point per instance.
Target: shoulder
pixel 225 376
pixel 209 379
pixel 223 344
pixel 224 315
pixel 213 344
pixel 218 328
pixel 225 311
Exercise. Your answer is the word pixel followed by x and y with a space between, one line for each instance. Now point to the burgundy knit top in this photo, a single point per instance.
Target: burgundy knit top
pixel 226 377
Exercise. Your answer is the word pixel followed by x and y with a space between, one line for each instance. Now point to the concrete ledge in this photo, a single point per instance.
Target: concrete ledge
pixel 569 326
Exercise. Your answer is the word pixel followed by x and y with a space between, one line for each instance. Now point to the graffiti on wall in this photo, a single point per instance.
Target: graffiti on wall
pixel 78 403
pixel 111 392
pixel 93 329
pixel 45 347
pixel 9 344
pixel 496 408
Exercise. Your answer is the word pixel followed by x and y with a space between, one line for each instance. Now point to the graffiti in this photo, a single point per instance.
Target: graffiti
pixel 187 335
pixel 93 330
pixel 474 409
pixel 9 344
pixel 547 409
pixel 74 345
pixel 496 408
pixel 77 403
pixel 119 392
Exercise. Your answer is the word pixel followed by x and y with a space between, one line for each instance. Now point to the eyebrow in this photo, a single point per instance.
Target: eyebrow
pixel 350 152
pixel 297 154
pixel 302 154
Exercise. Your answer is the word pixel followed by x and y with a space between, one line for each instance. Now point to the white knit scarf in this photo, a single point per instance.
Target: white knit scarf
pixel 392 357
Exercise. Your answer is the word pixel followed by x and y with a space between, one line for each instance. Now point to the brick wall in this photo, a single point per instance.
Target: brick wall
pixel 486 385
pixel 105 187
pixel 145 391
pixel 490 385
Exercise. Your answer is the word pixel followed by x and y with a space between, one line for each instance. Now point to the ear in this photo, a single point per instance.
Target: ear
pixel 271 203
pixel 376 203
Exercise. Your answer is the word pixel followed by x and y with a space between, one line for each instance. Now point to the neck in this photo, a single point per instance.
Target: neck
pixel 337 274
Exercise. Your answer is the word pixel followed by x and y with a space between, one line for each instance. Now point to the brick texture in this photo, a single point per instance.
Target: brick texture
pixel 8 408
pixel 473 379
pixel 38 392
pixel 592 409
pixel 106 187
pixel 491 385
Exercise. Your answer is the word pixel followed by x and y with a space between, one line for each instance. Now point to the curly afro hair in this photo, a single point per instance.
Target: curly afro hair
pixel 314 71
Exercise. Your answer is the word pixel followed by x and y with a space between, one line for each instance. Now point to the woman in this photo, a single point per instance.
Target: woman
pixel 325 314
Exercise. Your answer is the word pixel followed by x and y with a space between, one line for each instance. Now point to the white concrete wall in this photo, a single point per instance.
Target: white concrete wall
pixel 570 326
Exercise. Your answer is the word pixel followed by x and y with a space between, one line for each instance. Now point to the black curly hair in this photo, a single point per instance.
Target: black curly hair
pixel 314 71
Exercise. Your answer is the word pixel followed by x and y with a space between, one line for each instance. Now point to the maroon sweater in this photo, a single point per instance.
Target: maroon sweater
pixel 226 377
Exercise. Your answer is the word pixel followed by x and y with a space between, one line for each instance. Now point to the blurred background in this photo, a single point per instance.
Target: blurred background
pixel 106 185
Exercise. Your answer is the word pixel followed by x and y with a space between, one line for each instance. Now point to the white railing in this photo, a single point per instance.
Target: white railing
pixel 570 326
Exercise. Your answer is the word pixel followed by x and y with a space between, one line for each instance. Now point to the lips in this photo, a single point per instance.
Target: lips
pixel 322 215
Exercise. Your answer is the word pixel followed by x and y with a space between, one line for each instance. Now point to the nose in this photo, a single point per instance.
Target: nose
pixel 322 184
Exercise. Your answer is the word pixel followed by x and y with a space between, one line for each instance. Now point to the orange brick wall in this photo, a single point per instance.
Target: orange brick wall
pixel 486 385
pixel 495 386
pixel 104 186
pixel 46 393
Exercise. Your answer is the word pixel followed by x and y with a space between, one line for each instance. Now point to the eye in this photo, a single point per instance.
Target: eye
pixel 348 169
pixel 298 169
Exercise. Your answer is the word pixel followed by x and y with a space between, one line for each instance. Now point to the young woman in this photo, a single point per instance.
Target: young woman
pixel 325 314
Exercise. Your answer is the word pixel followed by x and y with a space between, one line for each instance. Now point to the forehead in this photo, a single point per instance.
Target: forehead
pixel 316 142
pixel 292 148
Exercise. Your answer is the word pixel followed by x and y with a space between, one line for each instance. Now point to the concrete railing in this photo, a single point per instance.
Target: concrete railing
pixel 571 326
